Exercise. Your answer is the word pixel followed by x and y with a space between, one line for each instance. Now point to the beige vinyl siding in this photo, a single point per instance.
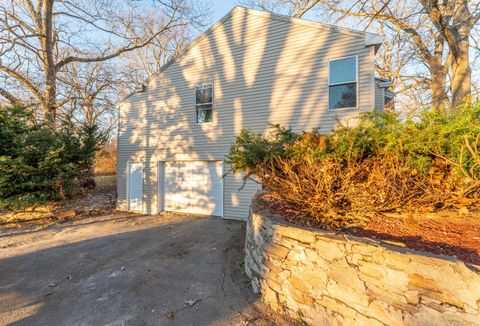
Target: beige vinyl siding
pixel 379 97
pixel 263 71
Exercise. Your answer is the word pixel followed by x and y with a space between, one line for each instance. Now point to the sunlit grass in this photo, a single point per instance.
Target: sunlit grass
pixel 106 181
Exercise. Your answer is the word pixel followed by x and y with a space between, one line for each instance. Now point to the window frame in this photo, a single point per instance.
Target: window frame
pixel 343 83
pixel 196 105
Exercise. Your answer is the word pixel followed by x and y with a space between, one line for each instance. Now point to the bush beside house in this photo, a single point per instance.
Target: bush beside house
pixel 426 162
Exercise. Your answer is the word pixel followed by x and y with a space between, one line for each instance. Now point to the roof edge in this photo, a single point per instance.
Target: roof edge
pixel 371 39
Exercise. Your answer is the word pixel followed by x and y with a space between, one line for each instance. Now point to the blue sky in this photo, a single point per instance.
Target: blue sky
pixel 221 7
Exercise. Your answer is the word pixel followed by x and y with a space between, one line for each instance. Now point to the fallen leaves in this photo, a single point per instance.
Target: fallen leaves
pixel 191 302
pixel 170 314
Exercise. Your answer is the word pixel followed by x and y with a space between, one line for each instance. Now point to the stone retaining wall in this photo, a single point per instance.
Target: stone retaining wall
pixel 327 278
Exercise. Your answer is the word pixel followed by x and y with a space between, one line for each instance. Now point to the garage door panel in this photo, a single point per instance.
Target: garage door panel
pixel 177 186
pixel 194 187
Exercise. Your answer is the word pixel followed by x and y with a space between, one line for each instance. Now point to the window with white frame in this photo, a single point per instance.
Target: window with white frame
pixel 342 83
pixel 203 102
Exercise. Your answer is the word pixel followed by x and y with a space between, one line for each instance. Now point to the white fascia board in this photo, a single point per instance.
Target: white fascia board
pixel 373 39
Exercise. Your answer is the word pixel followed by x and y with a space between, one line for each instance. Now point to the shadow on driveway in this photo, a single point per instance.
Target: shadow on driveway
pixel 133 270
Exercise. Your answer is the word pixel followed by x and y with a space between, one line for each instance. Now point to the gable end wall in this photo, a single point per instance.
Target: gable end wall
pixel 264 71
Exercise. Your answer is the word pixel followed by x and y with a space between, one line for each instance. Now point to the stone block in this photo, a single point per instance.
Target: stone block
pixel 299 284
pixel 302 298
pixel 317 280
pixel 269 296
pixel 367 250
pixel 357 299
pixel 277 251
pixel 412 297
pixel 298 234
pixel 274 285
pixel 297 254
pixel 275 270
pixel 65 215
pixel 396 259
pixel 335 306
pixel 353 258
pixel 372 270
pixel 422 282
pixel 329 250
pixel 385 313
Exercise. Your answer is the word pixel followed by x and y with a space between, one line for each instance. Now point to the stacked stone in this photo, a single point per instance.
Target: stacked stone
pixel 328 278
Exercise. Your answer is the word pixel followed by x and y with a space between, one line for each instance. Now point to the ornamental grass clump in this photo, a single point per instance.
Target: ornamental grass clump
pixel 425 163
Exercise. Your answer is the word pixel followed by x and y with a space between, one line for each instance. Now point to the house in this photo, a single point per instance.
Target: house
pixel 249 70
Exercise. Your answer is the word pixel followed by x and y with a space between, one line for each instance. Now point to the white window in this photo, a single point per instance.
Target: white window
pixel 203 102
pixel 342 83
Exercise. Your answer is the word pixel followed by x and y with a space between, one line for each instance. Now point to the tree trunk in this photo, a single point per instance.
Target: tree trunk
pixel 49 108
pixel 437 84
pixel 461 80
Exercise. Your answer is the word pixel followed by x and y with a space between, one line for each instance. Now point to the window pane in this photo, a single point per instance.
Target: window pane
pixel 204 94
pixel 342 96
pixel 343 70
pixel 204 116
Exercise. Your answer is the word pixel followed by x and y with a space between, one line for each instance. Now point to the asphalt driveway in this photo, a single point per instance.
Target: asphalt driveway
pixel 128 270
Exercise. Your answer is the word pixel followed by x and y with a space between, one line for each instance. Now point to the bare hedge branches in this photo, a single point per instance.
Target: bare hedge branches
pixel 424 163
pixel 334 195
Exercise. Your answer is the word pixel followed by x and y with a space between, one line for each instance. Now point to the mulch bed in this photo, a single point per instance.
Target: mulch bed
pixel 449 233
pixel 459 237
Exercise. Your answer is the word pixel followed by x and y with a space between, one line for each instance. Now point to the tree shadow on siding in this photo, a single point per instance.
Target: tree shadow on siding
pixel 264 72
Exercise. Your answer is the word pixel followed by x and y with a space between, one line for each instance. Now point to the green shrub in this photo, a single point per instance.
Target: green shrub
pixel 386 162
pixel 39 163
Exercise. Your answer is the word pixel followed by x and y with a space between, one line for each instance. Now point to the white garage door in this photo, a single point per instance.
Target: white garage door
pixel 194 187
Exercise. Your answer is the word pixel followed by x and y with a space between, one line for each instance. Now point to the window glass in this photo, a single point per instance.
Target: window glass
pixel 342 89
pixel 204 116
pixel 343 96
pixel 343 70
pixel 204 95
pixel 203 102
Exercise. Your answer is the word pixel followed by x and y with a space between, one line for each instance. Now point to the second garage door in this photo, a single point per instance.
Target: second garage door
pixel 194 187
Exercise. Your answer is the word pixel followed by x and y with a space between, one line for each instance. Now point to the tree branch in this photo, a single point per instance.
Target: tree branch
pixel 309 5
pixel 416 37
pixel 125 49
pixel 9 96
pixel 24 81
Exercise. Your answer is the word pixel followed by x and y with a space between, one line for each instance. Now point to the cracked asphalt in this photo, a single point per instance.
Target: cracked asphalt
pixel 126 269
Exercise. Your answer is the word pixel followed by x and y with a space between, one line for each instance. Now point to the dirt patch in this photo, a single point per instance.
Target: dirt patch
pixel 101 200
pixel 450 233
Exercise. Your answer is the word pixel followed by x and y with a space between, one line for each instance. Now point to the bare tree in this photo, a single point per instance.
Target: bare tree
pixel 92 90
pixel 438 31
pixel 398 62
pixel 141 63
pixel 39 40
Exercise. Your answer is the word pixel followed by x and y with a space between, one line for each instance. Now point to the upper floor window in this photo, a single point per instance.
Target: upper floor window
pixel 342 83
pixel 203 102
